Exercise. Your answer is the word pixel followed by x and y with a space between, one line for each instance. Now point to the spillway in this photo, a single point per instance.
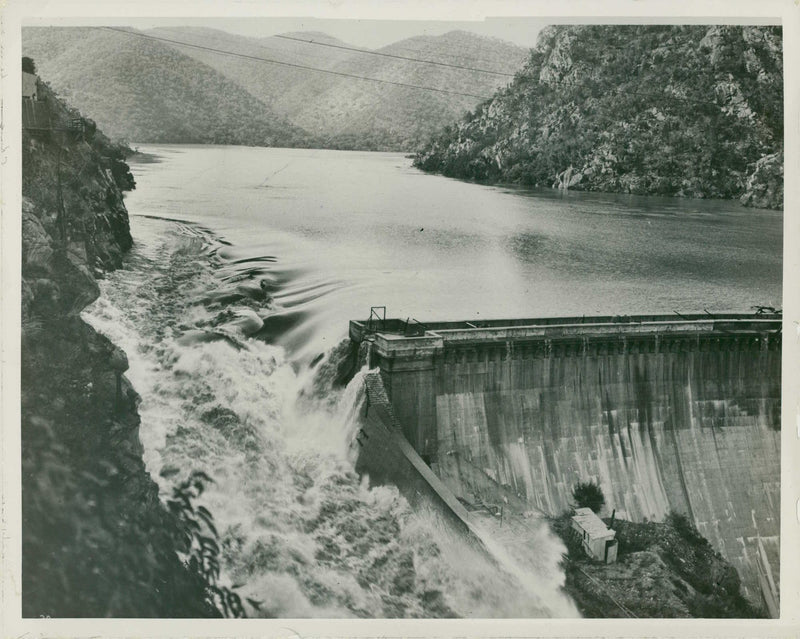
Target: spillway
pixel 667 412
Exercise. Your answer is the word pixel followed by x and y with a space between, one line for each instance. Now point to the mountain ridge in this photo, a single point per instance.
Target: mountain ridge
pixel 691 111
pixel 144 90
pixel 285 104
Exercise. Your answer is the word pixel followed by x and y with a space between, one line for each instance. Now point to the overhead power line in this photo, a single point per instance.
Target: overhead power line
pixel 293 65
pixel 389 82
pixel 456 56
pixel 391 55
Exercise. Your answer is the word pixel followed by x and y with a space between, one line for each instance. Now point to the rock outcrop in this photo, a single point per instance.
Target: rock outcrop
pixel 764 188
pixel 663 570
pixel 688 111
pixel 97 541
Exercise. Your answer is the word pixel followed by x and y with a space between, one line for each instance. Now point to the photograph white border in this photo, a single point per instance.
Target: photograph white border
pixel 15 13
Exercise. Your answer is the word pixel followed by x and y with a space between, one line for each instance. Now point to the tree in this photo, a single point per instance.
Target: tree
pixel 588 495
pixel 28 65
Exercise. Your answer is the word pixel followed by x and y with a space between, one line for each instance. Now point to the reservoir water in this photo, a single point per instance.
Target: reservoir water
pixel 338 232
pixel 247 265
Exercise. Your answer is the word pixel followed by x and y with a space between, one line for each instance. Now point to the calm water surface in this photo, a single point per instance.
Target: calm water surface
pixel 337 232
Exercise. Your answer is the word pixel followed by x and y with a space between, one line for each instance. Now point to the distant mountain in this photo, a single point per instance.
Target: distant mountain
pixel 268 82
pixel 146 91
pixel 386 115
pixel 681 110
pixel 346 112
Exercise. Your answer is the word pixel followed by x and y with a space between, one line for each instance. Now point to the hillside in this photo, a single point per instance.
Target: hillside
pixel 97 541
pixel 387 116
pixel 181 89
pixel 693 111
pixel 144 91
pixel 344 112
pixel 282 88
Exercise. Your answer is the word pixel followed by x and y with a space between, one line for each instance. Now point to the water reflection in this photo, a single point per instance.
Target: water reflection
pixel 337 232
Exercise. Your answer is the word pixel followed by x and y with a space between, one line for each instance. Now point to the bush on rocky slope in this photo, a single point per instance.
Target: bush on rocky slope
pixel 691 111
pixel 96 539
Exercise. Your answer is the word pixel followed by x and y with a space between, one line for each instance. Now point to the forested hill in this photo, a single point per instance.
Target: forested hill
pixel 694 111
pixel 146 91
pixel 295 89
pixel 387 116
pixel 343 111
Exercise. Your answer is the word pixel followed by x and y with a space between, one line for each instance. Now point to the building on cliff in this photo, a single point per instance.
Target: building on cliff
pixel 35 109
pixel 598 541
pixel 30 85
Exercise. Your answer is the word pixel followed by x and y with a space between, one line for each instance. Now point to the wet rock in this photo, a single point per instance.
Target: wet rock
pixel 765 184
pixel 663 570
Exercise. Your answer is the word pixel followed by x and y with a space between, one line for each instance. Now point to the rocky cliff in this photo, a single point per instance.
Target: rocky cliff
pixel 691 111
pixel 663 570
pixel 97 541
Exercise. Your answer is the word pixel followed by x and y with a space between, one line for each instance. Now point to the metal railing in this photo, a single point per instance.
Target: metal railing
pixel 376 318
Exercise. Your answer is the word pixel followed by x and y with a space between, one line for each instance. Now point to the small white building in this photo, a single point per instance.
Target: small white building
pixel 29 85
pixel 598 541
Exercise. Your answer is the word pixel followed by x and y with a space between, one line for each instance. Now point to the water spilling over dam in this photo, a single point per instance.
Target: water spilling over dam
pixel 230 318
pixel 667 413
pixel 300 531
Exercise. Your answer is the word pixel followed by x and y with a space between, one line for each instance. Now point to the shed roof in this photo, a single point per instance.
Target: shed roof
pixel 591 523
pixel 28 84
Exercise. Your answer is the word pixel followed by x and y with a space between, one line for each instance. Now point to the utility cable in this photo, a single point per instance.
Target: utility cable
pixel 389 82
pixel 296 66
pixel 259 44
pixel 391 55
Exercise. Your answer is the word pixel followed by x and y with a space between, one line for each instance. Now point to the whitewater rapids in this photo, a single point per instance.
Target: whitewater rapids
pixel 301 534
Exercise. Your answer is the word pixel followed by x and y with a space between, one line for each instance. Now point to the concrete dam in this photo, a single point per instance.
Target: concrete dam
pixel 665 412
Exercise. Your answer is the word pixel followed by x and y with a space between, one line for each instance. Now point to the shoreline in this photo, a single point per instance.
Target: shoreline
pixel 546 192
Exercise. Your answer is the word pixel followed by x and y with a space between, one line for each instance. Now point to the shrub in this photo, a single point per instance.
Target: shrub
pixel 588 495
pixel 196 535
pixel 686 529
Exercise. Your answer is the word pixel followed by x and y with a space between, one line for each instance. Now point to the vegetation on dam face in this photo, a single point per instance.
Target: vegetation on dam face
pixel 663 569
pixel 690 111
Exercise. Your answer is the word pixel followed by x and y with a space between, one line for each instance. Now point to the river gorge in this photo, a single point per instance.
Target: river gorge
pixel 246 267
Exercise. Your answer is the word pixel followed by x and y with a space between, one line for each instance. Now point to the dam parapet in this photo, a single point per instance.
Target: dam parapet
pixel 395 337
pixel 665 412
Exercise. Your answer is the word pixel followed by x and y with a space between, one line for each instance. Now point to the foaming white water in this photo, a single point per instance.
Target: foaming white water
pixel 299 529
pixel 534 563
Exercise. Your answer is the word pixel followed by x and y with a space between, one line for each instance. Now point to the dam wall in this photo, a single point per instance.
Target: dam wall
pixel 387 457
pixel 664 412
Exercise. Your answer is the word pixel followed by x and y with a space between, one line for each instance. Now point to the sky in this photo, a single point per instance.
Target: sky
pixel 376 33
pixel 379 33
pixel 372 34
